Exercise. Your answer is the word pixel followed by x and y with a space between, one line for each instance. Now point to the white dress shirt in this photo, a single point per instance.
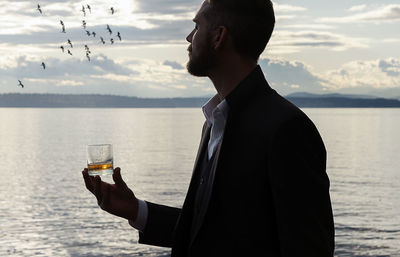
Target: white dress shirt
pixel 216 113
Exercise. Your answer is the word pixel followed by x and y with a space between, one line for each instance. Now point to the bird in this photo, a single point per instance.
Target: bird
pixel 119 36
pixel 84 24
pixel 112 10
pixel 70 43
pixel 86 48
pixel 94 34
pixel 88 7
pixel 20 84
pixel 63 27
pixel 102 40
pixel 109 29
pixel 112 41
pixel 88 57
pixel 39 9
pixel 44 66
pixel 62 48
pixel 83 10
pixel 69 52
pixel 88 33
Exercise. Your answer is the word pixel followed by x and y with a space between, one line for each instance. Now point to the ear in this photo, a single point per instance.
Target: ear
pixel 220 37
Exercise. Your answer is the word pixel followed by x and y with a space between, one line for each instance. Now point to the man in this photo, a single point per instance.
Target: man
pixel 259 185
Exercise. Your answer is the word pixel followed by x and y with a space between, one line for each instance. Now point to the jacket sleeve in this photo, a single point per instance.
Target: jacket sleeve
pixel 300 190
pixel 160 225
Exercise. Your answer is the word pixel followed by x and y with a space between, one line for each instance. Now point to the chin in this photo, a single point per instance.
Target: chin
pixel 195 71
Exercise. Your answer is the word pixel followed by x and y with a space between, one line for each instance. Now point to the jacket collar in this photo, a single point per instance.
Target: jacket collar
pixel 252 85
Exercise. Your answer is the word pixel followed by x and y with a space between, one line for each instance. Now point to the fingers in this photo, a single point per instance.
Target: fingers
pixel 105 199
pixel 97 189
pixel 118 178
pixel 87 179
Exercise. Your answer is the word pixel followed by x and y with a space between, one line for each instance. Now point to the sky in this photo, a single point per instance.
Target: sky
pixel 318 46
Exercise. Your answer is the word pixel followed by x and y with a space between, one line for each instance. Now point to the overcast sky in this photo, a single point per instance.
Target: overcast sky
pixel 318 46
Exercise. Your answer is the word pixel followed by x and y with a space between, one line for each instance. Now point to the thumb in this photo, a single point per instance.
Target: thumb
pixel 117 177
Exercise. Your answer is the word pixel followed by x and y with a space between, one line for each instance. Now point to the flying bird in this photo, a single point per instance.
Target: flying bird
pixel 20 84
pixel 70 43
pixel 69 52
pixel 86 48
pixel 63 27
pixel 94 34
pixel 84 24
pixel 88 57
pixel 102 40
pixel 83 10
pixel 88 7
pixel 44 66
pixel 112 41
pixel 109 29
pixel 88 32
pixel 39 9
pixel 119 36
pixel 62 48
pixel 112 10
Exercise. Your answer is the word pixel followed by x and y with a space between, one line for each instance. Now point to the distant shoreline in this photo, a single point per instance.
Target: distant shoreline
pixel 14 100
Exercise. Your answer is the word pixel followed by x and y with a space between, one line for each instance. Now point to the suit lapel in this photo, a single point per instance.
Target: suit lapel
pixel 205 136
pixel 207 194
pixel 183 225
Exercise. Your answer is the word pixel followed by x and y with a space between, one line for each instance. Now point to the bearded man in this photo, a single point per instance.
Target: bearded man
pixel 259 185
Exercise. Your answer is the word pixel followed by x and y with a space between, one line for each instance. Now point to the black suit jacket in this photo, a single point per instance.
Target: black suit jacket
pixel 270 190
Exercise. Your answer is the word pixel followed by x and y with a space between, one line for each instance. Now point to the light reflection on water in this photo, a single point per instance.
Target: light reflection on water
pixel 45 210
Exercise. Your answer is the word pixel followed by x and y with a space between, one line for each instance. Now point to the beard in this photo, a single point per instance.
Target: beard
pixel 199 65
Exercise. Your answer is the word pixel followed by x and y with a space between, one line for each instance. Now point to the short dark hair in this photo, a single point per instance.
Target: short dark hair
pixel 250 23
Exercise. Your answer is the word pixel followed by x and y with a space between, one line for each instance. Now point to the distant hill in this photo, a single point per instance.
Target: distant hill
pixel 95 101
pixel 310 95
pixel 302 99
pixel 112 101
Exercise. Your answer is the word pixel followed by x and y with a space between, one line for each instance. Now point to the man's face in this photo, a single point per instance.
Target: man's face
pixel 201 53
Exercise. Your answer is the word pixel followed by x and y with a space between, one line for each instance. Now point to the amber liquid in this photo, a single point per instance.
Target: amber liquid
pixel 100 168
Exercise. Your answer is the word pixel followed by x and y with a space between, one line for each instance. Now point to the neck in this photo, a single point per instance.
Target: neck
pixel 229 74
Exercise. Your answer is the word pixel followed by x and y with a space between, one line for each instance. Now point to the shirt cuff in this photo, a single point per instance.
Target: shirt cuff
pixel 141 219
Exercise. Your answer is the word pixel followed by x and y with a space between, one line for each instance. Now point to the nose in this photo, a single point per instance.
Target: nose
pixel 190 36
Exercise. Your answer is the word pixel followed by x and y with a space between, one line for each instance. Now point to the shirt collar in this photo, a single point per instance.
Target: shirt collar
pixel 212 105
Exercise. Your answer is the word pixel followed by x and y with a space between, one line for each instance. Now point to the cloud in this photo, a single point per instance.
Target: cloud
pixel 134 77
pixel 282 8
pixel 287 41
pixel 286 11
pixel 391 40
pixel 390 66
pixel 363 76
pixel 30 67
pixel 307 26
pixel 357 8
pixel 171 7
pixel 378 74
pixel 386 13
pixel 291 76
pixel 173 65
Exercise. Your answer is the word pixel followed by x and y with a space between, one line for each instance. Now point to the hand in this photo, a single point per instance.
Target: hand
pixel 116 199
